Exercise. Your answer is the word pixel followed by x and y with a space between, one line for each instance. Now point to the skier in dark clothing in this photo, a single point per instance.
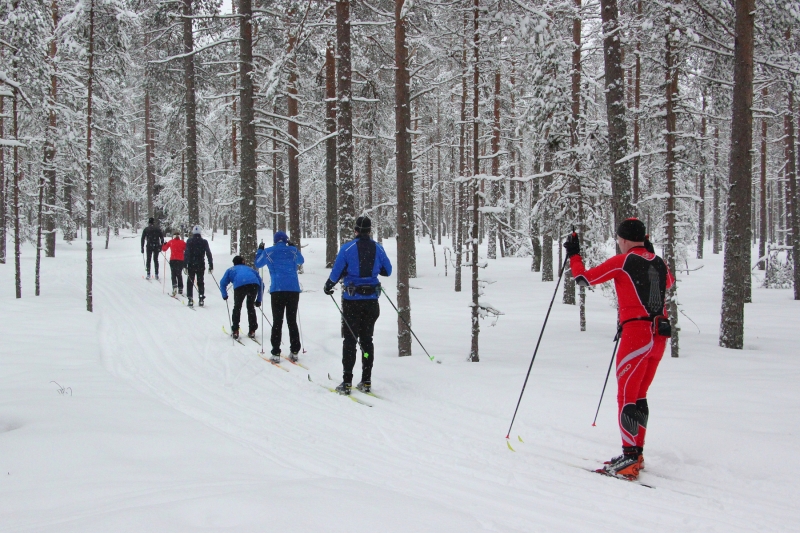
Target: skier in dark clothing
pixel 641 279
pixel 154 237
pixel 282 260
pixel 359 261
pixel 246 285
pixel 196 251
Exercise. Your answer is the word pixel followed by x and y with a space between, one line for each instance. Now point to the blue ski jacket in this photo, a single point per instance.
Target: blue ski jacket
pixel 240 275
pixel 360 261
pixel 282 261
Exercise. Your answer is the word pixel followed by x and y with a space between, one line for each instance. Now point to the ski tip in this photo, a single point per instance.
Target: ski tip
pixel 309 377
pixel 509 446
pixel 520 439
pixel 329 376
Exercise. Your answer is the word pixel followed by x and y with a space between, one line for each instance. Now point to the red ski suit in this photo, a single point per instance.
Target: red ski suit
pixel 176 247
pixel 641 279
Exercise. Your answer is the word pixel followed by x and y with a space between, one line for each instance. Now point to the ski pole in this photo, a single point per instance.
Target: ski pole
pixel 300 322
pixel 348 326
pixel 164 278
pixel 406 323
pixel 262 311
pixel 610 364
pixel 230 324
pixel 560 275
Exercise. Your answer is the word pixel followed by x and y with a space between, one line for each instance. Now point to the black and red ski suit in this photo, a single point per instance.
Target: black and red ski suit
pixel 641 279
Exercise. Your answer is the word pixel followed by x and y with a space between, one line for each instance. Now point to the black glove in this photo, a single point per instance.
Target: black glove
pixel 572 245
pixel 261 245
pixel 328 289
pixel 142 250
pixel 225 298
pixel 258 304
pixel 210 269
pixel 185 271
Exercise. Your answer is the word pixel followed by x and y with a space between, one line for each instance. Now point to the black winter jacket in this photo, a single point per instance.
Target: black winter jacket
pixel 196 248
pixel 154 237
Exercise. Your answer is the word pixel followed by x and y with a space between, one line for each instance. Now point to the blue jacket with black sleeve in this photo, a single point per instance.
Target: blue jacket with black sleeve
pixel 240 275
pixel 282 261
pixel 360 262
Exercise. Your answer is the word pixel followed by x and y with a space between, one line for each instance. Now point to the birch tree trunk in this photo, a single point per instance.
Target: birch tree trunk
pixel 740 176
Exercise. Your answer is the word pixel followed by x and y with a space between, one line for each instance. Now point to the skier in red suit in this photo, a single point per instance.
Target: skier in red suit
pixel 641 279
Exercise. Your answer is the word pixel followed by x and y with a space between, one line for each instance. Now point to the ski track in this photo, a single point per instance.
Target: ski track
pixel 437 437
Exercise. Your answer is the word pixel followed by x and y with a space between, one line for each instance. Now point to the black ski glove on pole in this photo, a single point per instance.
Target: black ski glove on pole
pixel 261 245
pixel 572 245
pixel 328 289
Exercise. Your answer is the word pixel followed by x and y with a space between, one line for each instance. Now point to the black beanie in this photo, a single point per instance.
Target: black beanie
pixel 632 229
pixel 151 220
pixel 238 260
pixel 363 225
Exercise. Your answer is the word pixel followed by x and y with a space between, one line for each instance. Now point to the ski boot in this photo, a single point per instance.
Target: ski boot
pixel 235 334
pixel 641 459
pixel 364 386
pixel 148 276
pixel 293 357
pixel 174 292
pixel 625 466
pixel 344 388
pixel 190 303
pixel 252 334
pixel 156 277
pixel 202 301
pixel 180 291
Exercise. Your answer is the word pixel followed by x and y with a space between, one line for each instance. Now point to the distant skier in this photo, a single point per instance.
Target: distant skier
pixel 154 237
pixel 196 251
pixel 176 248
pixel 359 261
pixel 246 285
pixel 282 260
pixel 641 279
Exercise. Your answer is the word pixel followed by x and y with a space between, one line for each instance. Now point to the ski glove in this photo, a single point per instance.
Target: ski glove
pixel 258 304
pixel 225 298
pixel 328 289
pixel 261 245
pixel 572 245
pixel 210 269
pixel 142 250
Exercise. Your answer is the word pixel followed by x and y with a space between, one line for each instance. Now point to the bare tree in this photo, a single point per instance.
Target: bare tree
pixel 89 196
pixel 247 173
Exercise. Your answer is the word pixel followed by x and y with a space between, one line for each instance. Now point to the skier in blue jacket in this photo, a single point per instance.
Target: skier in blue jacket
pixel 282 260
pixel 246 285
pixel 359 262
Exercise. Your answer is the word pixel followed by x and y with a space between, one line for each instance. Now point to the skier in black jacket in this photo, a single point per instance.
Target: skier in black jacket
pixel 196 251
pixel 155 239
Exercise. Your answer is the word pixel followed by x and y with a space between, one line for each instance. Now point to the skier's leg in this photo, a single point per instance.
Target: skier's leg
pixel 278 304
pixel 349 343
pixel 292 300
pixel 371 312
pixel 201 285
pixel 149 258
pixel 155 259
pixel 190 282
pixel 238 297
pixel 634 348
pixel 174 272
pixel 252 318
pixel 648 373
pixel 179 267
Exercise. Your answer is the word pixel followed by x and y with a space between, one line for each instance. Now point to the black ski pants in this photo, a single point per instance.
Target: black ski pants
pixel 249 292
pixel 152 254
pixel 284 301
pixel 175 267
pixel 360 316
pixel 195 273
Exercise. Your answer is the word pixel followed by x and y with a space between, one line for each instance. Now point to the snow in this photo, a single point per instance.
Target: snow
pixel 170 427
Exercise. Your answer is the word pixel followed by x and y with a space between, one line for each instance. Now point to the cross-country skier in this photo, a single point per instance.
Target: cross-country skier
pixel 641 279
pixel 155 238
pixel 246 285
pixel 196 251
pixel 176 248
pixel 282 260
pixel 359 261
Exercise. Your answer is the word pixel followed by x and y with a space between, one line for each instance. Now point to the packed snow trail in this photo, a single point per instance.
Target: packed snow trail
pixel 432 457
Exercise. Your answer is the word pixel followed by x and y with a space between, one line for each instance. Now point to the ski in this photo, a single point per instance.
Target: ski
pixel 270 361
pixel 370 393
pixel 296 363
pixel 606 474
pixel 254 340
pixel 362 402
pixel 225 331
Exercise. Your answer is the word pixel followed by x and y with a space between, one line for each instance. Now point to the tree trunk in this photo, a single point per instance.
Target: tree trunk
pixel 615 111
pixel 192 200
pixel 547 236
pixel 344 116
pixel 462 165
pixel 293 154
pixel 405 187
pixel 717 215
pixel 740 176
pixel 2 185
pixel 671 86
pixel 474 354
pixel 762 203
pixel 15 117
pixel 48 166
pixel 249 184
pixel 792 211
pixel 637 100
pixel 89 195
pixel 568 296
pixel 331 201
pixel 149 153
pixel 493 185
pixel 42 183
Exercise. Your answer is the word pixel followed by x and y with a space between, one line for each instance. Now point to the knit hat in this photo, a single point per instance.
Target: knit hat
pixel 151 220
pixel 238 260
pixel 197 230
pixel 632 229
pixel 280 236
pixel 363 225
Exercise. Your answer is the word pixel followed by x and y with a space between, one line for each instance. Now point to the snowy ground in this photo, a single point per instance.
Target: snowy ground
pixel 169 427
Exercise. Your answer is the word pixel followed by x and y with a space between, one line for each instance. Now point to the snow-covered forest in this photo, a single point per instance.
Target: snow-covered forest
pixel 476 134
